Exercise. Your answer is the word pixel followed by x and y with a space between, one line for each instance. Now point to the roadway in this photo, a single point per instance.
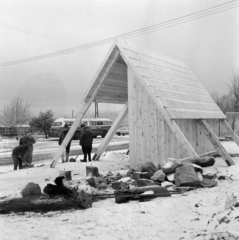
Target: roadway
pixel 44 149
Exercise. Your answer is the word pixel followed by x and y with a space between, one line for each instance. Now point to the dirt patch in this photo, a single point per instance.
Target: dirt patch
pixel 41 203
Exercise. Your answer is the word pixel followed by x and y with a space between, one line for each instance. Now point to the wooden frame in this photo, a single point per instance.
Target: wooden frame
pixel 85 107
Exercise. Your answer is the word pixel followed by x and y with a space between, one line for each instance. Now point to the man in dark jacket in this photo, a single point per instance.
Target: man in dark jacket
pixel 86 140
pixel 61 138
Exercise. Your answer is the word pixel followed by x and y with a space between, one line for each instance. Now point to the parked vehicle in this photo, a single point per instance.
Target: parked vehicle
pixel 99 126
pixel 122 131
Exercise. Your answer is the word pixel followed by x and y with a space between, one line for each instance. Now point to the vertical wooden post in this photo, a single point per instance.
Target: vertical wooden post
pixel 111 133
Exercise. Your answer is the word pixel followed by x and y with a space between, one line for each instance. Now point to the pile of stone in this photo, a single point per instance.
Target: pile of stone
pixel 174 174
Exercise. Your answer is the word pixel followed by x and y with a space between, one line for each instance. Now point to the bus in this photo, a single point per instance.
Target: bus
pixel 99 126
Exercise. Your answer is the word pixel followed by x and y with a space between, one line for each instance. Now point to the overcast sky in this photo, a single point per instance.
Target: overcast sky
pixel 28 28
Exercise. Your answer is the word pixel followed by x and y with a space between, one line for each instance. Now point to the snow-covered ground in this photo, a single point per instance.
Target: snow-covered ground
pixel 206 213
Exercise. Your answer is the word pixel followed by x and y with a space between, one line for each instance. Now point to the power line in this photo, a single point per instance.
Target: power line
pixel 170 23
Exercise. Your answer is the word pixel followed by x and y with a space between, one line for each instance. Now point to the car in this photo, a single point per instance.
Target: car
pixel 122 131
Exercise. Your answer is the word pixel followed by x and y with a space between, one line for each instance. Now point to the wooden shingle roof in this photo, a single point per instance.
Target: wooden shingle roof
pixel 171 81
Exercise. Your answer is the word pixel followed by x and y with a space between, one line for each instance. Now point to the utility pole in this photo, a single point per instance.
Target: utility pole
pixel 72 113
pixel 96 109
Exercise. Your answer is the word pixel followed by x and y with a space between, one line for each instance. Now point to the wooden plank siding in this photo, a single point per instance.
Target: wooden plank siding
pixel 151 139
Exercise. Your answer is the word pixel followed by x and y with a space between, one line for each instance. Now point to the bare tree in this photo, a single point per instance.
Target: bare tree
pixel 234 90
pixel 17 112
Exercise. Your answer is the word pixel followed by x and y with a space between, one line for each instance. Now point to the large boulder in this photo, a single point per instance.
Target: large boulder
pixel 147 167
pixel 171 166
pixel 186 176
pixel 203 161
pixel 208 183
pixel 31 189
pixel 158 176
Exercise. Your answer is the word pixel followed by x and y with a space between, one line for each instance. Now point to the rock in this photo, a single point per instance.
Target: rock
pixel 158 176
pixel 72 160
pixel 167 184
pixel 207 183
pixel 200 177
pixel 237 204
pixel 210 172
pixel 147 167
pixel 203 161
pixel 186 176
pixel 123 183
pixel 170 177
pixel 146 182
pixel 139 175
pixel 196 167
pixel 171 166
pixel 31 189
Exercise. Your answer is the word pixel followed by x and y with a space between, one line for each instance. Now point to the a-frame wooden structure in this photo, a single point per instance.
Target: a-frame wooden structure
pixel 170 113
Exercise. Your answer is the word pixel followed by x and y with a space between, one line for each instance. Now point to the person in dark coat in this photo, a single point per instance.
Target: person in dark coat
pixel 61 138
pixel 86 141
pixel 23 152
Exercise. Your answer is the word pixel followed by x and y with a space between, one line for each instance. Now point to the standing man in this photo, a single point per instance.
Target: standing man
pixel 86 140
pixel 61 138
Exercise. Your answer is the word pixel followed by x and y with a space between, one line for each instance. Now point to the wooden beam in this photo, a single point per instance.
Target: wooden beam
pixel 231 132
pixel 200 155
pixel 215 142
pixel 88 100
pixel 182 139
pixel 111 132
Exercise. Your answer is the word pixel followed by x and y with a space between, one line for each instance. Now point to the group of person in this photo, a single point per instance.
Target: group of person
pixel 86 140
